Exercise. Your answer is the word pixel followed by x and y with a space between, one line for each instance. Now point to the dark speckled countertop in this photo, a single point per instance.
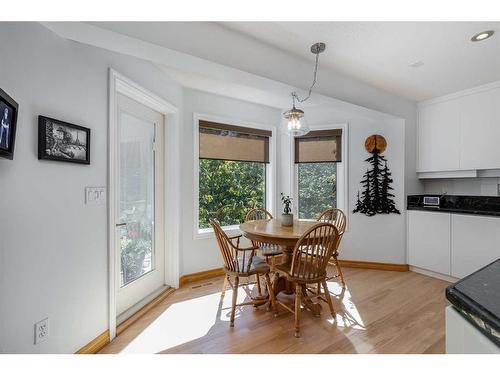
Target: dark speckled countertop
pixel 477 297
pixel 459 204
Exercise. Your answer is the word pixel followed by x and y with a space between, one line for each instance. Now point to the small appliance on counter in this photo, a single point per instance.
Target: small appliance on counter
pixel 431 201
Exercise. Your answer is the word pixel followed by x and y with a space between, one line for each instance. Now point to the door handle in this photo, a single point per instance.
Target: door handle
pixel 121 225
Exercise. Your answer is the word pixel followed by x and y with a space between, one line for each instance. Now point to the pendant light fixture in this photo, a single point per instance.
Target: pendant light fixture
pixel 294 121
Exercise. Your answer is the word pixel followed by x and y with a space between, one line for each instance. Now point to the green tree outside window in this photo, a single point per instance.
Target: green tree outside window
pixel 228 189
pixel 317 184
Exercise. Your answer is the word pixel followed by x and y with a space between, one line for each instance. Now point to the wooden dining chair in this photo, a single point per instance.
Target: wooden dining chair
pixel 240 262
pixel 266 250
pixel 309 260
pixel 336 217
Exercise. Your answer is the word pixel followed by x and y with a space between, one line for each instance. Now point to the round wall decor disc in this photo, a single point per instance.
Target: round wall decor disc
pixel 375 142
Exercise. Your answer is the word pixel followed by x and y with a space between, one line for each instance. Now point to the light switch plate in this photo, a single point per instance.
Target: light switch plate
pixel 95 195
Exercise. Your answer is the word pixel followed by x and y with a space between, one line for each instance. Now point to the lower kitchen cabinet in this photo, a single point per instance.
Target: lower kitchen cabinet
pixel 463 338
pixel 475 242
pixel 429 240
pixel 452 244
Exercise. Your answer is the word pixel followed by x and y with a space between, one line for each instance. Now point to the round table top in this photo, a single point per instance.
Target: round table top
pixel 272 231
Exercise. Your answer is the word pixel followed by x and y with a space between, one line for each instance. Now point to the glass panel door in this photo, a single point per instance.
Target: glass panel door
pixel 137 199
pixel 140 199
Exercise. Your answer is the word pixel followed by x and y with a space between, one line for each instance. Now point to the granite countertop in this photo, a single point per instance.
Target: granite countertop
pixel 454 210
pixel 460 204
pixel 477 297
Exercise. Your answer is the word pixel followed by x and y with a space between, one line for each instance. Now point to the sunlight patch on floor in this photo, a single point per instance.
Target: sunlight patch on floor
pixel 348 315
pixel 189 320
pixel 183 322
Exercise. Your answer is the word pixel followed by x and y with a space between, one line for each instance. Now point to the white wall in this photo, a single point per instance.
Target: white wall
pixel 53 248
pixel 380 238
pixel 487 186
pixel 202 254
pixel 267 75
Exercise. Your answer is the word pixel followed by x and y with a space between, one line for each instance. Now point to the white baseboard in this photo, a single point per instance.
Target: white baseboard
pixel 436 275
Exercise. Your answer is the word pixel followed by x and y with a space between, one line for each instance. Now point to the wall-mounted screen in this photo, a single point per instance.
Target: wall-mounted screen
pixel 8 121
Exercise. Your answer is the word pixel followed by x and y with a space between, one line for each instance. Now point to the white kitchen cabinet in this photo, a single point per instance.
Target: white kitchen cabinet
pixel 438 137
pixel 429 240
pixel 464 338
pixel 480 130
pixel 475 242
pixel 460 132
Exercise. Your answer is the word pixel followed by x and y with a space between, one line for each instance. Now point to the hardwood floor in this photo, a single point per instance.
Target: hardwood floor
pixel 379 312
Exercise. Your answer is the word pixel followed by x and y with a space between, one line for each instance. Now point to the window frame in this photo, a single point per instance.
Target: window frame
pixel 342 170
pixel 270 178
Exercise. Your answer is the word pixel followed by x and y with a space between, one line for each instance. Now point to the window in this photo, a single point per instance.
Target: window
pixel 317 157
pixel 233 169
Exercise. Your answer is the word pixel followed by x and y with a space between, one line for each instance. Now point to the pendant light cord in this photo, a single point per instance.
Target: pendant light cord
pixel 295 96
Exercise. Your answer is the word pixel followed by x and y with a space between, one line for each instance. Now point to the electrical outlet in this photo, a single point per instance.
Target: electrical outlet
pixel 41 331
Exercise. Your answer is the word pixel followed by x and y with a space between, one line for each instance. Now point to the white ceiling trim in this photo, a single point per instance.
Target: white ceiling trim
pixel 459 94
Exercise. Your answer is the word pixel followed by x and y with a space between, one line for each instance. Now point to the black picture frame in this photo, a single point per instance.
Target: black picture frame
pixel 61 141
pixel 8 129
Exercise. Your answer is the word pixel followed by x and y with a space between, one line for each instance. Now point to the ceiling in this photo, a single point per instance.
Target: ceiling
pixel 377 53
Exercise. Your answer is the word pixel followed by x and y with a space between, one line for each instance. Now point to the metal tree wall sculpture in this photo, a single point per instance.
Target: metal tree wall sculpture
pixel 376 197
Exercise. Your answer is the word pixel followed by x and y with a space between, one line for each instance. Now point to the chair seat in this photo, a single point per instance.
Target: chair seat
pixel 270 250
pixel 286 267
pixel 259 265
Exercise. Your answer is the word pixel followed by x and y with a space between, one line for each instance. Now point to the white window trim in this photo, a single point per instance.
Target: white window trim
pixel 270 170
pixel 343 200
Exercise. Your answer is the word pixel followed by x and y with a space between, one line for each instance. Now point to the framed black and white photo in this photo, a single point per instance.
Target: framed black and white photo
pixel 62 141
pixel 8 123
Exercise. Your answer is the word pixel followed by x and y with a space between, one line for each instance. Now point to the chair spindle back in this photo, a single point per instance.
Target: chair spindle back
pixel 313 251
pixel 334 216
pixel 235 259
pixel 258 214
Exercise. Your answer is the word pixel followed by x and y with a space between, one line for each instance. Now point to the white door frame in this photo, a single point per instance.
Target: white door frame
pixel 119 84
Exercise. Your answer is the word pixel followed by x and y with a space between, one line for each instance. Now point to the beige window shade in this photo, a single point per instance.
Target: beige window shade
pixel 228 142
pixel 319 146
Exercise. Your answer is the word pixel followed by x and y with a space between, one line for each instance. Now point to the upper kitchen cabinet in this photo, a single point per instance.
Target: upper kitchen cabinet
pixel 459 133
pixel 438 137
pixel 480 130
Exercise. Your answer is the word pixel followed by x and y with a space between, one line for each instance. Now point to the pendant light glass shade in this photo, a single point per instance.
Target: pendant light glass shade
pixel 294 122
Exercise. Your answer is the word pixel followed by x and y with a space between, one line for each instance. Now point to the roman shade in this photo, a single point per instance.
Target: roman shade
pixel 319 146
pixel 229 142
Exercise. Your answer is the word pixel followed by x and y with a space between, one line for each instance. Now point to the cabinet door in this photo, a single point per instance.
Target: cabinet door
pixel 475 242
pixel 480 130
pixel 429 240
pixel 438 137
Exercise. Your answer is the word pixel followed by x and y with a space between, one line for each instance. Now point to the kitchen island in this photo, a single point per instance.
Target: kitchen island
pixel 473 319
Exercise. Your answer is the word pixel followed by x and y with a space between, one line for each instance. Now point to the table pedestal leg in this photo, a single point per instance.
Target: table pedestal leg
pixel 281 284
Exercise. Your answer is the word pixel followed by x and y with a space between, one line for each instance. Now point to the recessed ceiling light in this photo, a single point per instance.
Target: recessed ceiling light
pixel 482 35
pixel 417 64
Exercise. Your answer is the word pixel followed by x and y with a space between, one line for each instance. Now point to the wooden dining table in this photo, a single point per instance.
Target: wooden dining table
pixel 272 232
